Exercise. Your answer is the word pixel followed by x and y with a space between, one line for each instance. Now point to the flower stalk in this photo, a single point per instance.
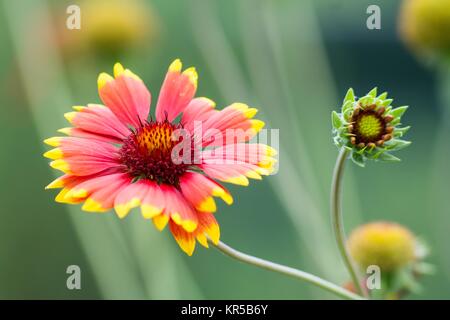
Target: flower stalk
pixel 337 220
pixel 288 271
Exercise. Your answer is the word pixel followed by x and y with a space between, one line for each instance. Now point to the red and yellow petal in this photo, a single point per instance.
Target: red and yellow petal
pixel 126 95
pixel 178 209
pixel 160 221
pixel 177 91
pixel 130 197
pixel 71 192
pixel 253 153
pixel 199 190
pixel 153 202
pixel 67 183
pixel 197 112
pixel 237 173
pixel 102 199
pixel 235 163
pixel 95 121
pixel 93 190
pixel 81 157
pixel 186 240
pixel 162 203
pixel 233 124
pixel 207 227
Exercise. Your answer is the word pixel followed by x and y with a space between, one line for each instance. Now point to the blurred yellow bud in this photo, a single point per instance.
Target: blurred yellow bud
pixel 425 26
pixel 111 27
pixel 385 244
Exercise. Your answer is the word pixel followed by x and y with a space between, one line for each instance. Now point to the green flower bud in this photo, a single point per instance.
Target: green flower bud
pixel 369 127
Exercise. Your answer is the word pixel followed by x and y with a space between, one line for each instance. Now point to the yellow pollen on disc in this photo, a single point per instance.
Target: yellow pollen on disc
pixel 369 126
pixel 157 138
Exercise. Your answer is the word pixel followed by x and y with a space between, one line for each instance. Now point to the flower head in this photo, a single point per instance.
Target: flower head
pixel 107 31
pixel 115 156
pixel 369 127
pixel 425 26
pixel 385 244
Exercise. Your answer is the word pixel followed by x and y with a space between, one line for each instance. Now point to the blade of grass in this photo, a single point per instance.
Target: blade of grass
pixel 438 200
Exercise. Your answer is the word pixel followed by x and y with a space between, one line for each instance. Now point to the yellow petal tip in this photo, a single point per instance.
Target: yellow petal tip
pixel 70 115
pixel 65 131
pixel 212 103
pixel 53 141
pixel 189 225
pixel 239 180
pixel 78 193
pixel 250 113
pixel 271 151
pixel 54 154
pixel 201 238
pixel 191 73
pixel 122 210
pixel 149 212
pixel 90 205
pixel 253 175
pixel 78 108
pixel 103 79
pixel 207 205
pixel 224 195
pixel 160 221
pixel 118 69
pixel 61 165
pixel 214 233
pixel 55 184
pixel 257 125
pixel 175 66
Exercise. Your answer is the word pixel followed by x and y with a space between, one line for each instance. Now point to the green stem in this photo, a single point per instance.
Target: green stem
pixel 336 218
pixel 298 274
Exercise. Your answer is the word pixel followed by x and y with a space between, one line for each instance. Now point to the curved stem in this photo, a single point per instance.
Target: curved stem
pixel 336 217
pixel 298 274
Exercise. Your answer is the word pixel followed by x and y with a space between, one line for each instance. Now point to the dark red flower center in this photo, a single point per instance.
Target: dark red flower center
pixel 147 153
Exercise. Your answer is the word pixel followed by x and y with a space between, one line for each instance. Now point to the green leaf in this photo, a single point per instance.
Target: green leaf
pixel 387 102
pixel 358 159
pixel 388 157
pixel 383 96
pixel 347 114
pixel 398 112
pixel 400 132
pixel 336 120
pixel 350 96
pixel 366 100
pixel 377 154
pixel 347 106
pixel 397 144
pixel 361 151
pixel 373 92
pixel 395 122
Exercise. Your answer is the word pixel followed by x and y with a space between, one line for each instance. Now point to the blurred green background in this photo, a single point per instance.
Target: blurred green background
pixel 292 59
